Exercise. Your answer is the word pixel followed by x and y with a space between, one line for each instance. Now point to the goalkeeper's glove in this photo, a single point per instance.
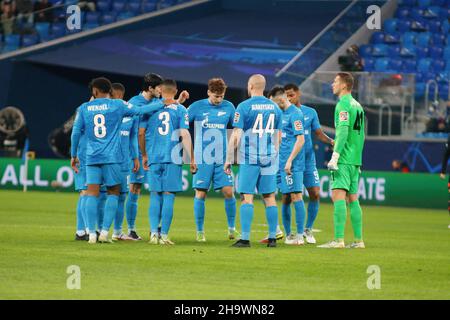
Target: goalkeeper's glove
pixel 332 164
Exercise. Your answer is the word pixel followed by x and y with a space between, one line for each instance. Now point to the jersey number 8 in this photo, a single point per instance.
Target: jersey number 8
pixel 99 126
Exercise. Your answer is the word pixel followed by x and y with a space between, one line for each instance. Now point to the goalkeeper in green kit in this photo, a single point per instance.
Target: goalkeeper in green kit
pixel 346 162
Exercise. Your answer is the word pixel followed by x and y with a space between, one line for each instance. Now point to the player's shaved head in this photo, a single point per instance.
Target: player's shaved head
pixel 256 85
pixel 169 88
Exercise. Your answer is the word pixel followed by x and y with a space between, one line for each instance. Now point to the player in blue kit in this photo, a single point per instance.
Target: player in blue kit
pixel 211 118
pixel 82 232
pixel 164 164
pixel 129 148
pixel 257 123
pixel 311 178
pixel 292 164
pixel 100 120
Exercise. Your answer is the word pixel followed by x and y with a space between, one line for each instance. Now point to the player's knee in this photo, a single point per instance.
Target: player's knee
pixel 200 194
pixel 296 197
pixel 314 194
pixel 135 188
pixel 114 190
pixel 227 193
pixel 269 200
pixel 286 199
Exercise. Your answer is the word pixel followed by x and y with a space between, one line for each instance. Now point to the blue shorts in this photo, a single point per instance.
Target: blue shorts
pixel 290 184
pixel 80 179
pixel 211 173
pixel 140 176
pixel 256 179
pixel 165 177
pixel 124 183
pixel 107 174
pixel 311 178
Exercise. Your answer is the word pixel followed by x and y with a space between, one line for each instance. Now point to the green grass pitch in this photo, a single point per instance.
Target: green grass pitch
pixel 411 247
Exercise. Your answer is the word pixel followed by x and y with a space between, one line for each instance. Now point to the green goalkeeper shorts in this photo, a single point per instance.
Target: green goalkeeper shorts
pixel 346 177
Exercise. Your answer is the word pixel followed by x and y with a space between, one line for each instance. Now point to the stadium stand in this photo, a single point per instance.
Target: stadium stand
pixel 17 32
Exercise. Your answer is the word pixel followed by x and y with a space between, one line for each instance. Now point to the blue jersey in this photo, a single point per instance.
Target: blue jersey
pixel 310 125
pixel 129 140
pixel 210 123
pixel 100 120
pixel 292 127
pixel 81 151
pixel 259 117
pixel 162 135
pixel 138 101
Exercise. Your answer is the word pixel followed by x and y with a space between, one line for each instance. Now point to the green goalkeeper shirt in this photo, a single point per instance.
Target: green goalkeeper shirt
pixel 349 113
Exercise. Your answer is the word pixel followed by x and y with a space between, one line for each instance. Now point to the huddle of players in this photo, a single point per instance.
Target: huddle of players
pixel 265 163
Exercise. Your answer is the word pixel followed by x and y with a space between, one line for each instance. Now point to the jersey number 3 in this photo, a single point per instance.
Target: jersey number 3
pixel 99 126
pixel 165 118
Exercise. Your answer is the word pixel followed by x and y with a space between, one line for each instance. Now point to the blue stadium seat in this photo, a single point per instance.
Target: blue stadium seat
pixel 380 50
pixel 424 65
pixel 445 27
pixel 12 40
pixel 149 5
pixel 443 91
pixel 423 39
pixel 437 65
pixel 438 3
pixel 390 25
pixel 58 30
pixel 125 15
pixel 90 26
pixel 423 3
pixel 409 65
pixel 365 50
pixel 43 29
pixel 446 54
pixel 416 13
pixel 92 17
pixel 420 89
pixel 443 77
pixel 377 37
pixel 369 64
pixel 118 6
pixel 419 25
pixel 421 52
pixel 394 50
pixel 434 26
pixel 103 5
pixel 408 51
pixel 409 38
pixel 134 6
pixel 395 65
pixel 402 13
pixel 438 39
pixel 382 65
pixel 403 25
pixel 407 3
pixel 391 38
pixel 166 3
pixel 30 40
pixel 108 17
pixel 435 52
pixel 447 40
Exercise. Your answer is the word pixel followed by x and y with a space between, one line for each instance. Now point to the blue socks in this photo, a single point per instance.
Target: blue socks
pixel 81 224
pixel 101 210
pixel 199 213
pixel 300 216
pixel 286 217
pixel 112 202
pixel 230 209
pixel 167 212
pixel 313 209
pixel 154 211
pixel 132 210
pixel 246 220
pixel 91 207
pixel 272 220
pixel 118 220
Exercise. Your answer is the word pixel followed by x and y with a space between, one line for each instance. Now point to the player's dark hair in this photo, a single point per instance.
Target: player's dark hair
pixel 347 78
pixel 217 85
pixel 275 91
pixel 169 83
pixel 118 86
pixel 102 84
pixel 151 80
pixel 291 86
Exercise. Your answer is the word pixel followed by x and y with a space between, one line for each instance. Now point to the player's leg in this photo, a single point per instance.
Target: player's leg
pixel 286 213
pixel 300 215
pixel 118 219
pixel 131 209
pixel 101 208
pixel 154 178
pixel 81 223
pixel 340 184
pixel 199 213
pixel 93 180
pixel 248 176
pixel 267 185
pixel 224 182
pixel 355 211
pixel 167 217
pixel 312 184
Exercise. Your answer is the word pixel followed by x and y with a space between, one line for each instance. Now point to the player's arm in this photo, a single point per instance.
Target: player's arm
pixel 186 141
pixel 342 133
pixel 297 128
pixel 315 126
pixel 233 144
pixel 146 109
pixel 184 95
pixel 142 147
pixel 78 126
pixel 134 146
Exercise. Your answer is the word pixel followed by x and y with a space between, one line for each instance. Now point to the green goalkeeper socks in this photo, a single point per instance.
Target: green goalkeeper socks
pixel 356 218
pixel 340 215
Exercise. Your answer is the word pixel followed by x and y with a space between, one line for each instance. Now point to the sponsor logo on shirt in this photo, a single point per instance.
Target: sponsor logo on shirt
pixel 205 113
pixel 126 119
pixel 237 116
pixel 343 116
pixel 298 125
pixel 221 113
pixel 124 133
pixel 263 107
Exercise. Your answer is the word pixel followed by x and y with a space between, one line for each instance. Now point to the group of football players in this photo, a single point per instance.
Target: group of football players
pixel 118 146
